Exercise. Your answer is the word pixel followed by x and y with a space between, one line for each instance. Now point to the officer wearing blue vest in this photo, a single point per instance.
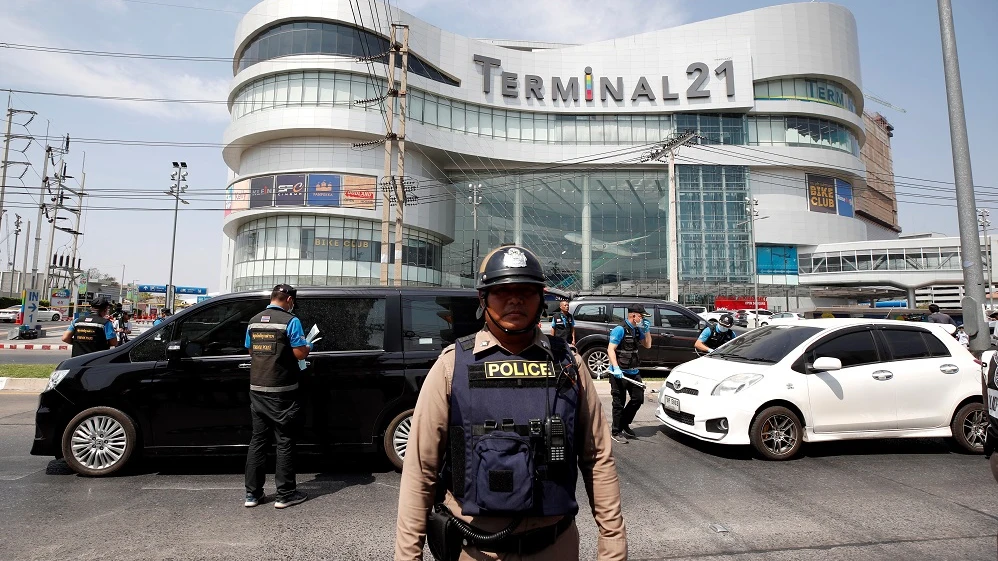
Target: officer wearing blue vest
pixel 502 427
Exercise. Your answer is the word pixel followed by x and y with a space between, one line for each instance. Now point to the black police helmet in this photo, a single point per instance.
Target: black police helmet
pixel 726 320
pixel 99 303
pixel 508 265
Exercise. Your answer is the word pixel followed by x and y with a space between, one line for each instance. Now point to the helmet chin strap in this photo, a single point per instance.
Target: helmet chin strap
pixel 530 327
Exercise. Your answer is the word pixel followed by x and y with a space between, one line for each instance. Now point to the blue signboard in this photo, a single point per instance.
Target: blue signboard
pixel 191 290
pixel 843 195
pixel 203 298
pixel 324 190
pixel 153 288
pixel 776 260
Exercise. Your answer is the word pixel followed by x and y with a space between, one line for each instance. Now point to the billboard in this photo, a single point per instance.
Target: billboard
pixel 843 196
pixel 290 190
pixel 237 197
pixel 776 260
pixel 324 190
pixel 358 192
pixel 820 193
pixel 262 191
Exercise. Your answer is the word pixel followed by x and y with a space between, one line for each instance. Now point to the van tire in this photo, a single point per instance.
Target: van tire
pixel 397 438
pixel 112 441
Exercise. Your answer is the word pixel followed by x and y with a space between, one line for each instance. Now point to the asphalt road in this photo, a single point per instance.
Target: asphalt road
pixel 33 357
pixel 879 500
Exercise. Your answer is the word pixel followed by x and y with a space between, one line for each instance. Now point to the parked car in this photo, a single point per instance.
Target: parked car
pixel 182 387
pixel 699 310
pixel 48 314
pixel 741 318
pixel 833 379
pixel 10 313
pixel 781 318
pixel 674 329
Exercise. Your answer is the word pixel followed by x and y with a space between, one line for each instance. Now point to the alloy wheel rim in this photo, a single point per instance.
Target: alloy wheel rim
pixel 779 434
pixel 400 438
pixel 975 427
pixel 598 363
pixel 99 442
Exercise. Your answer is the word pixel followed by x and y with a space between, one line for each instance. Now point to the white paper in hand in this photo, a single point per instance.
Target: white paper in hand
pixel 312 334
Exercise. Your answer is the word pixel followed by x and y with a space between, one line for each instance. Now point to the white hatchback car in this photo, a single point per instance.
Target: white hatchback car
pixel 829 379
pixel 781 318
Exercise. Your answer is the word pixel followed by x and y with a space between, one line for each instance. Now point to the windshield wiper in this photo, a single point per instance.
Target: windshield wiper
pixel 749 359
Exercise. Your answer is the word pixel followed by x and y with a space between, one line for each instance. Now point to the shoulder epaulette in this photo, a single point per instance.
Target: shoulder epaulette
pixel 467 342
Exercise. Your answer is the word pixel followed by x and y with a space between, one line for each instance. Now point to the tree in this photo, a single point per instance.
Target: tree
pixel 94 274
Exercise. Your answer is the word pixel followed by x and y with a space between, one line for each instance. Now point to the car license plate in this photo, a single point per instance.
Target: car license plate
pixel 670 403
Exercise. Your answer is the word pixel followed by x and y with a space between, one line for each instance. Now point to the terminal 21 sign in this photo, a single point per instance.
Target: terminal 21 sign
pixel 314 189
pixel 588 86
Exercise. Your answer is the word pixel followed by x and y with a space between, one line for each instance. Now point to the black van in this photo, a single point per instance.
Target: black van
pixel 182 387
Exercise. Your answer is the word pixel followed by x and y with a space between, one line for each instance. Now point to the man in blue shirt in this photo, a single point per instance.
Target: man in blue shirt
pixel 163 314
pixel 715 335
pixel 624 361
pixel 277 347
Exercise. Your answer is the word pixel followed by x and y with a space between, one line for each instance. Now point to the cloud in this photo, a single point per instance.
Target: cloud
pixel 101 76
pixel 116 6
pixel 560 21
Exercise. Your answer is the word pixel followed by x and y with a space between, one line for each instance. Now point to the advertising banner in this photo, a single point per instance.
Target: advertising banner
pixel 290 190
pixel 262 191
pixel 776 260
pixel 359 192
pixel 820 193
pixel 732 303
pixel 237 197
pixel 324 190
pixel 60 299
pixel 843 196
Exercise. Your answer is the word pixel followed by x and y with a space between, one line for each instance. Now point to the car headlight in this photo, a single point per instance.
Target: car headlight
pixel 55 378
pixel 734 384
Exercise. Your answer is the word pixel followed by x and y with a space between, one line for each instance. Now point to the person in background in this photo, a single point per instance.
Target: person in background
pixel 962 337
pixel 92 333
pixel 715 335
pixel 935 316
pixel 563 323
pixel 123 327
pixel 163 314
pixel 625 339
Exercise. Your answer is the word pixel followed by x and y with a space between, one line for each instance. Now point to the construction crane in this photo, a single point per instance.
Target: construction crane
pixel 885 103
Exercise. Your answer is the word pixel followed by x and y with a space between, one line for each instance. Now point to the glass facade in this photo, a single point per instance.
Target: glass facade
pixel 806 89
pixel 314 250
pixel 320 38
pixel 607 228
pixel 901 259
pixel 328 88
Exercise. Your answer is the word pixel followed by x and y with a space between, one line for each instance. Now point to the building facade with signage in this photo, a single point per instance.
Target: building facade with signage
pixel 545 145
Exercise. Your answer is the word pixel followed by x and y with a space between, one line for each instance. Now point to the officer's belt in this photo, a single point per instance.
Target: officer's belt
pixel 529 542
pixel 276 389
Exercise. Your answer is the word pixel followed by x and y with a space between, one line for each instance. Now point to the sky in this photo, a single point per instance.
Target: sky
pixel 128 225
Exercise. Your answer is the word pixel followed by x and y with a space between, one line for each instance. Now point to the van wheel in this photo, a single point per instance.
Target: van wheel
pixel 99 441
pixel 776 433
pixel 397 437
pixel 969 426
pixel 597 361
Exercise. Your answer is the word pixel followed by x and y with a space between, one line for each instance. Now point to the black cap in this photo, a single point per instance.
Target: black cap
pixel 726 320
pixel 99 303
pixel 166 311
pixel 636 309
pixel 510 265
pixel 286 289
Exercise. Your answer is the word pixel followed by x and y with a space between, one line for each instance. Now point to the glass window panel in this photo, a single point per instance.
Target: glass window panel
pixel 219 330
pixel 327 85
pixel 359 323
pixel 342 91
pixel 761 90
pixel 906 344
pixel 458 117
pixel 358 88
pixel 310 95
pixel 542 126
pixel 329 35
pixel 348 42
pixel 765 130
pixel 295 83
pixel 443 113
pixel 852 349
pixel 281 92
pixel 430 110
pixel 800 88
pixel 776 88
pixel 499 123
pixel 415 106
pixel 285 42
pixel 485 121
pixel 526 123
pixel 298 41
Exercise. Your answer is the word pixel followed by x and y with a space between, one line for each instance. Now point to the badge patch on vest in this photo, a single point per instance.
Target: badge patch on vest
pixel 505 373
pixel 265 319
pixel 264 343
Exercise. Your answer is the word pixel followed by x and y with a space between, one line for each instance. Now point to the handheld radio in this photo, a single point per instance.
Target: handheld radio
pixel 554 438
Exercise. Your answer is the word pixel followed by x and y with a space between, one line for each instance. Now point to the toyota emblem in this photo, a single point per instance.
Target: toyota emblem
pixel 677 385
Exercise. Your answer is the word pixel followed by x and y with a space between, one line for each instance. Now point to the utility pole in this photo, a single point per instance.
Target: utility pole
pixel 179 176
pixel 974 322
pixel 386 180
pixel 73 269
pixel 475 199
pixel 982 219
pixel 670 146
pixel 6 163
pixel 43 193
pixel 400 195
pixel 13 259
pixel 753 215
pixel 24 268
pixel 61 178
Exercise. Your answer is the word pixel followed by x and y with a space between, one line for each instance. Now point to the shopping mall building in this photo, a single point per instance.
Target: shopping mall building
pixel 554 139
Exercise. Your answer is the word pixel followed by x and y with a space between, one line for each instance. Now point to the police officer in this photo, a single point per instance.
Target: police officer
pixel 502 426
pixel 563 323
pixel 163 314
pixel 276 343
pixel 92 333
pixel 713 336
pixel 624 361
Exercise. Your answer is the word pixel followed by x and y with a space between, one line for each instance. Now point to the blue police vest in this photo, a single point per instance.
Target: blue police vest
pixel 497 462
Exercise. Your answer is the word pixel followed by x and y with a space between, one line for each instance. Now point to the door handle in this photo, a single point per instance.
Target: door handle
pixel 883 375
pixel 949 369
pixel 245 366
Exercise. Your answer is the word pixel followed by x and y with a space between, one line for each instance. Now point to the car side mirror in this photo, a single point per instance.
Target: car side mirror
pixel 825 364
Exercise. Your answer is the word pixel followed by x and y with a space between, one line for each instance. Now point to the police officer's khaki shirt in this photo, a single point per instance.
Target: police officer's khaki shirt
pixel 428 441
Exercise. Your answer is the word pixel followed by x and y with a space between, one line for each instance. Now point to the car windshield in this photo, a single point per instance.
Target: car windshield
pixel 766 345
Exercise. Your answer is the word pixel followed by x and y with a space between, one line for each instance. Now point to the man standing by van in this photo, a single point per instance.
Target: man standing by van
pixel 276 343
pixel 935 316
pixel 92 333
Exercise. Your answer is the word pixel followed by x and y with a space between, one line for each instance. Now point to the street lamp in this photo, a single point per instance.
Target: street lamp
pixel 179 177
